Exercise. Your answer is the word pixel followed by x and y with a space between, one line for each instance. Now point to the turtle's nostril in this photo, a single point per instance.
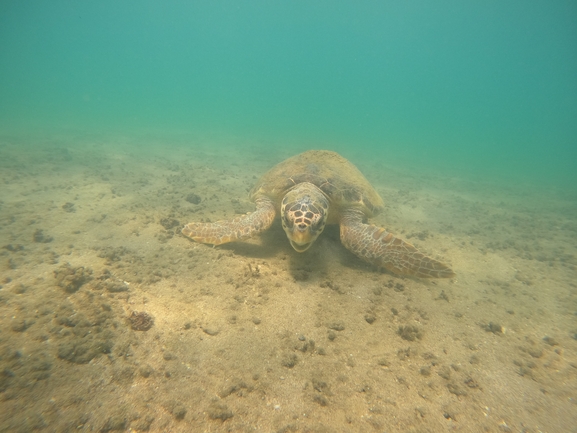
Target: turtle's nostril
pixel 302 226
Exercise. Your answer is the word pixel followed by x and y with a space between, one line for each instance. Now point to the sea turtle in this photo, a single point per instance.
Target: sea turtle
pixel 312 189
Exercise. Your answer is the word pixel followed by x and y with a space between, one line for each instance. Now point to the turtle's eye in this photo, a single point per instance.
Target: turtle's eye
pixel 287 222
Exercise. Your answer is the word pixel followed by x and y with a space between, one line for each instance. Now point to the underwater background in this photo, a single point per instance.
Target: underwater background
pixel 483 88
pixel 121 122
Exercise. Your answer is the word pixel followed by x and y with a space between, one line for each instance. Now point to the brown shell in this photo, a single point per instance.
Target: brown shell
pixel 341 181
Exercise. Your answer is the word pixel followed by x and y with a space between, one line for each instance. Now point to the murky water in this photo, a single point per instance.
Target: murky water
pixel 121 123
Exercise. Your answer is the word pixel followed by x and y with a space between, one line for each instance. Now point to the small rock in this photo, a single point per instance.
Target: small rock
pixel 21 325
pixel 70 278
pixel 289 361
pixel 145 370
pixel 211 331
pixel 193 198
pixel 168 356
pixel 219 411
pixel 409 332
pixel 321 400
pixel 176 408
pixel 114 423
pixel 40 237
pixel 169 223
pixel 144 424
pixel 179 412
pixel 370 318
pixel 425 371
pixel 337 326
pixel 141 321
pixel 550 341
pixel 495 328
pixel 68 207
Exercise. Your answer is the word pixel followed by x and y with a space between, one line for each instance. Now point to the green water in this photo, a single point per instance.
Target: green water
pixel 479 88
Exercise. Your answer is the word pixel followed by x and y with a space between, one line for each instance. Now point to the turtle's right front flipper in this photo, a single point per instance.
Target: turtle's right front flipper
pixel 239 228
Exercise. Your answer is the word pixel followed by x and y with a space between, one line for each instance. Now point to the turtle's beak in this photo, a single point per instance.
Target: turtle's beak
pixel 301 240
pixel 300 248
pixel 302 236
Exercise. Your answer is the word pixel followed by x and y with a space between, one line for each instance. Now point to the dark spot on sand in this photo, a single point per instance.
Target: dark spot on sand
pixel 193 198
pixel 141 321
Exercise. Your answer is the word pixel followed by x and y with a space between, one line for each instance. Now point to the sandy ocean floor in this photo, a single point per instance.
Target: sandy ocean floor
pixel 110 320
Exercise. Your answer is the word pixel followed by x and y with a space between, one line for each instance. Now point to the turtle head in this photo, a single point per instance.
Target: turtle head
pixel 304 211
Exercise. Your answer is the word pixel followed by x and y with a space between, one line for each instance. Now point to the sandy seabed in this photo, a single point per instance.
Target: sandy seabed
pixel 110 320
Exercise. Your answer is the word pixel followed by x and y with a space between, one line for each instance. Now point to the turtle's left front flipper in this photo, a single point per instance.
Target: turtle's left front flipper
pixel 381 248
